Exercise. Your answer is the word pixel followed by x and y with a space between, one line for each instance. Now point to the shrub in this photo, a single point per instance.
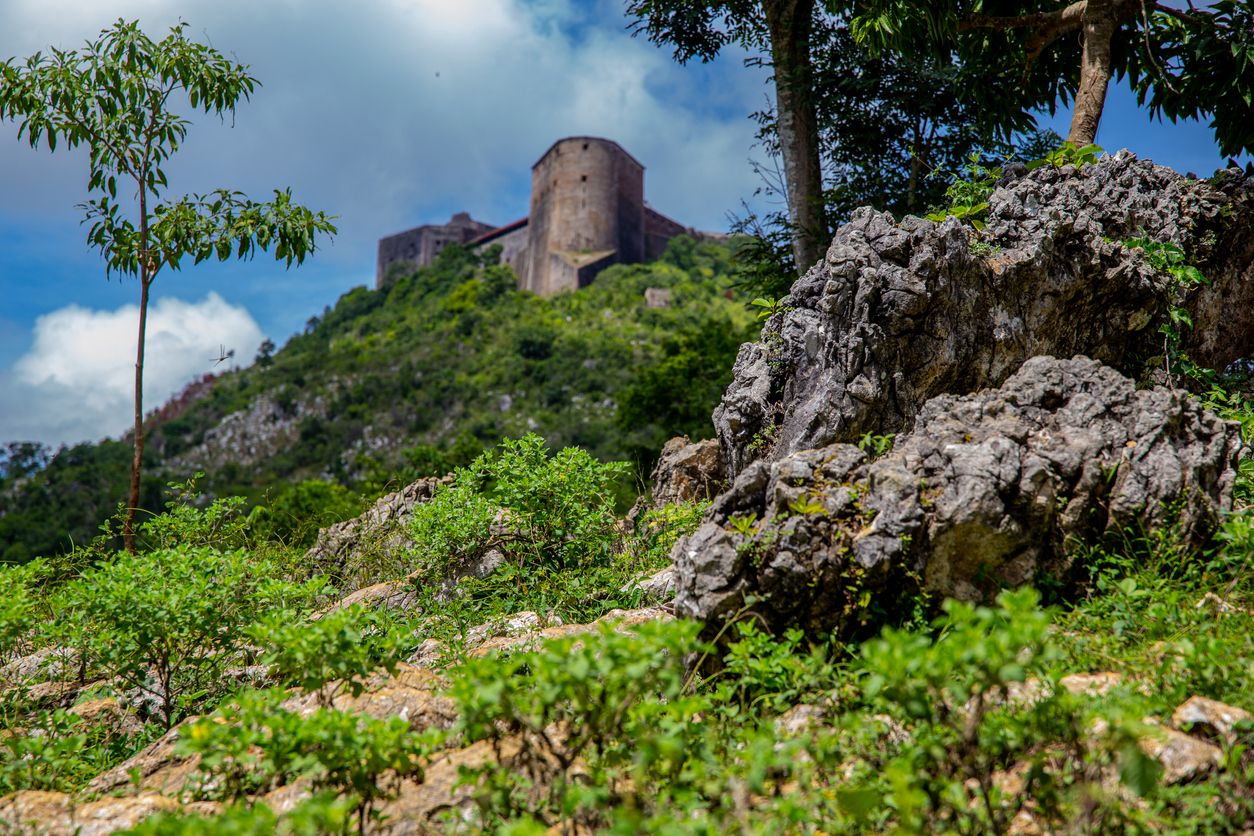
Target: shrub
pixel 171 622
pixel 255 745
pixel 339 649
pixel 542 511
pixel 294 514
pixel 56 751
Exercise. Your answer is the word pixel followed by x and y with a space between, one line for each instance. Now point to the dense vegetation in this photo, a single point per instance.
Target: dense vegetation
pixel 919 730
pixel 411 380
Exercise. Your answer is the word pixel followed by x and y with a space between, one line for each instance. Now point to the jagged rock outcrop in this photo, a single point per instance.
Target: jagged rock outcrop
pixel 900 312
pixel 379 531
pixel 986 493
pixel 251 435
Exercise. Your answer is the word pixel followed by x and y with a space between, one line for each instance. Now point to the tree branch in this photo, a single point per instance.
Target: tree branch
pixel 1176 13
pixel 1060 20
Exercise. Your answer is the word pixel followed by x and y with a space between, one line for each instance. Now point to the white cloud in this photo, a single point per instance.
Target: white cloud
pixel 76 382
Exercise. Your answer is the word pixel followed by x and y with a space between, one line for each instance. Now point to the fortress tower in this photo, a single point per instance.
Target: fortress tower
pixel 587 212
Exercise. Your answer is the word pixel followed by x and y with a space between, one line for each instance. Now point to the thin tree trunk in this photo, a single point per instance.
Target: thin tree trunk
pixel 916 166
pixel 789 23
pixel 1100 22
pixel 137 457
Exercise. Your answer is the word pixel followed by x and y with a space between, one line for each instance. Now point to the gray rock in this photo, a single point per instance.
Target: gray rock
pixel 379 533
pixel 900 312
pixel 688 471
pixel 655 589
pixel 986 493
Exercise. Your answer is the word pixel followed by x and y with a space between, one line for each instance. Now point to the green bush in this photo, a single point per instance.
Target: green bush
pixel 325 656
pixel 296 512
pixel 254 745
pixel 171 622
pixel 540 510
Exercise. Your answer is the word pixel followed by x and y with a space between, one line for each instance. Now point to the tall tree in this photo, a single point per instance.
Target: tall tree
pixel 782 28
pixel 115 96
pixel 1188 63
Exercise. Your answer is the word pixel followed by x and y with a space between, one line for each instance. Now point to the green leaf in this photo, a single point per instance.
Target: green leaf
pixel 859 802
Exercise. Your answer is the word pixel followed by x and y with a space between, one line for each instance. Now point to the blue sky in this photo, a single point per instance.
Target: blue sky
pixel 387 113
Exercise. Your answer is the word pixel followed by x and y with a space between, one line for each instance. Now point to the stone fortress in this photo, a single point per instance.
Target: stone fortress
pixel 587 212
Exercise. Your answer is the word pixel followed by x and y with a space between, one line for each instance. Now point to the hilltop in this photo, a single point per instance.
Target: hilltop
pixel 417 377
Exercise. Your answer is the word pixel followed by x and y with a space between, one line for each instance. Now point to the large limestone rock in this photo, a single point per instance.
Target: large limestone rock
pixel 900 312
pixel 986 493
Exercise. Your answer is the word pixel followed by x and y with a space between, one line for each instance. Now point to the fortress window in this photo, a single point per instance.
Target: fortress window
pixel 583 178
pixel 585 146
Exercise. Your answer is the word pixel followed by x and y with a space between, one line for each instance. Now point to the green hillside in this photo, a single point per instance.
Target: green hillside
pixel 418 377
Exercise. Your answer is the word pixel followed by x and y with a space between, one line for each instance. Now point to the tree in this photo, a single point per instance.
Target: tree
pixel 1183 63
pixel 783 28
pixel 115 96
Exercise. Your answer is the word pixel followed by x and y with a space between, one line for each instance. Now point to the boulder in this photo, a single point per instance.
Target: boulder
pixel 58 814
pixel 985 494
pixel 688 471
pixel 1182 757
pixel 1212 719
pixel 900 312
pixel 379 532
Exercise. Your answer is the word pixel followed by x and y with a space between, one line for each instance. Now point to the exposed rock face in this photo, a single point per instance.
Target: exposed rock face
pixel 898 313
pixel 247 437
pixel 688 471
pixel 984 494
pixel 380 530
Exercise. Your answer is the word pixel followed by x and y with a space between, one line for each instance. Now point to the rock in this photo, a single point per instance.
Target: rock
pixel 379 534
pixel 108 714
pixel 46 663
pixel 1183 757
pixel 58 814
pixel 156 768
pixel 622 621
pixel 801 719
pixel 518 624
pixel 657 297
pixel 1210 718
pixel 412 693
pixel 268 426
pixel 900 312
pixel 657 588
pixel 687 471
pixel 1091 684
pixel 394 595
pixel 982 496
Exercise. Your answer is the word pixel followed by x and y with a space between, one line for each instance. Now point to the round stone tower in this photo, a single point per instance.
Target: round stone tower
pixel 587 211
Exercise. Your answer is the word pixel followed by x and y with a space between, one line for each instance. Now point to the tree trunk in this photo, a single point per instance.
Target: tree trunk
pixel 146 275
pixel 916 167
pixel 789 23
pixel 1100 22
pixel 137 457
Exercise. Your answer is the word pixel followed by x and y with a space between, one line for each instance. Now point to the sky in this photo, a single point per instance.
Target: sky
pixel 387 114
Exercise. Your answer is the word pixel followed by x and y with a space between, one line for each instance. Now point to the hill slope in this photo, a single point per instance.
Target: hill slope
pixel 420 376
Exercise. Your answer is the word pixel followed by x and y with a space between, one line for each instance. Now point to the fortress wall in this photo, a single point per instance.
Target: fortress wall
pixel 514 249
pixel 394 249
pixel 658 231
pixel 419 246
